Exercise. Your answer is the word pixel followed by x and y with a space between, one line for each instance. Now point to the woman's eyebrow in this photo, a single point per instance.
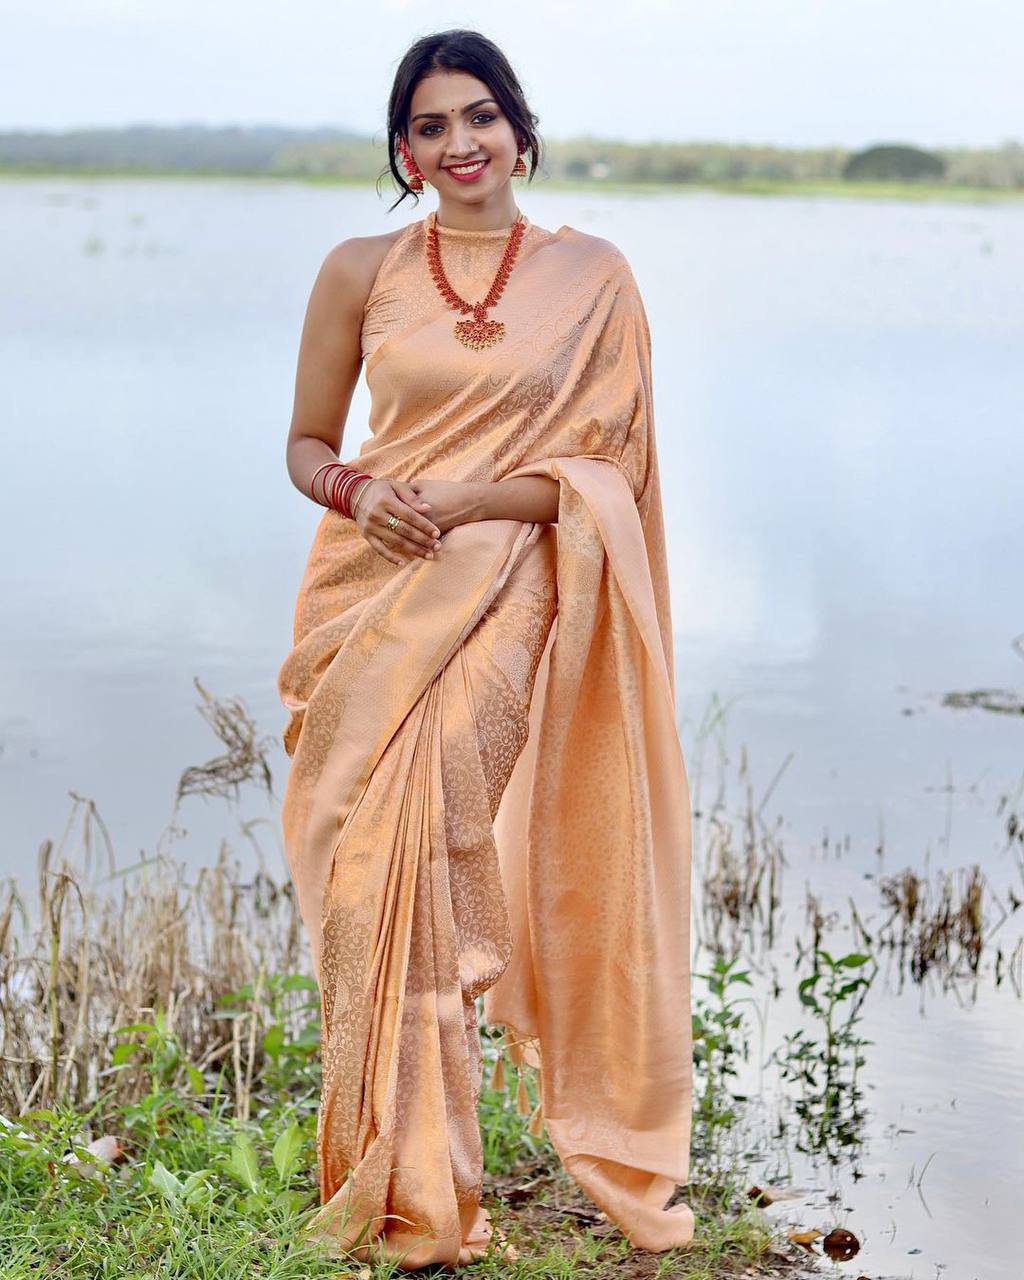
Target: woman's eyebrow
pixel 440 115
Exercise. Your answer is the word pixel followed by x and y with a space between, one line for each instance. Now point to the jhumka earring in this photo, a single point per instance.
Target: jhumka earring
pixel 519 168
pixel 415 181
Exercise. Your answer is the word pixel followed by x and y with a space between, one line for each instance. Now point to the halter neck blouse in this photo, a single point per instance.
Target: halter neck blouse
pixel 404 293
pixel 471 233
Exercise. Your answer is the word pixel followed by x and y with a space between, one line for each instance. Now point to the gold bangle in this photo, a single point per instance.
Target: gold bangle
pixel 354 503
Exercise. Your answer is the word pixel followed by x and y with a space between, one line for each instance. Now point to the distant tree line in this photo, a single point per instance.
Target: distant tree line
pixel 336 153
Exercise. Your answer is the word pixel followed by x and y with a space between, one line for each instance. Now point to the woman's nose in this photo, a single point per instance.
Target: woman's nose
pixel 461 142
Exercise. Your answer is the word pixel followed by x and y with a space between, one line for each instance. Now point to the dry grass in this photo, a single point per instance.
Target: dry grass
pixel 99 960
pixel 104 947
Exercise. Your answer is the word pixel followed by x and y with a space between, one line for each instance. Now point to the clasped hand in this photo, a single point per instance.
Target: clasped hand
pixel 426 509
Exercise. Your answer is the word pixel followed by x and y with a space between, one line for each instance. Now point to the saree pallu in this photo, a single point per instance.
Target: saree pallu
pixel 487 793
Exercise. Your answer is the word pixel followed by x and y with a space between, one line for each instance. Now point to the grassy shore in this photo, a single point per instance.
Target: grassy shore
pixel 160 1072
pixel 160 1078
pixel 160 1087
pixel 160 1039
pixel 195 1192
pixel 181 1182
pixel 915 191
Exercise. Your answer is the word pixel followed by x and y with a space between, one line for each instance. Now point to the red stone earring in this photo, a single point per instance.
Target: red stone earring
pixel 415 178
pixel 519 168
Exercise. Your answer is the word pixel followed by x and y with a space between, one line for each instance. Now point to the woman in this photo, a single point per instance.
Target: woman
pixel 484 625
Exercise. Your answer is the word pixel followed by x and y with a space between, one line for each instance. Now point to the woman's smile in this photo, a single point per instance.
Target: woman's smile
pixel 467 173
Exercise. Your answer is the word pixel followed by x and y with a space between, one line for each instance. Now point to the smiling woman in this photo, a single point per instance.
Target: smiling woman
pixel 491 606
pixel 454 126
pixel 464 170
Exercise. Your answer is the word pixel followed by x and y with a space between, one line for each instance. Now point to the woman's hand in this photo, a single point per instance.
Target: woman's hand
pixel 416 535
pixel 448 502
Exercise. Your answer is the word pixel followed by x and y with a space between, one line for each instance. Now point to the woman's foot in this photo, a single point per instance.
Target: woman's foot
pixel 485 1239
pixel 502 1249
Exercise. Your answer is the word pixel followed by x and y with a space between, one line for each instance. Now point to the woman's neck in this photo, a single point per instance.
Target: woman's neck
pixel 461 217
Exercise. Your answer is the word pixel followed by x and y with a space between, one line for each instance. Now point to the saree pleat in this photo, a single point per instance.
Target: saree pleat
pixel 413 930
pixel 487 795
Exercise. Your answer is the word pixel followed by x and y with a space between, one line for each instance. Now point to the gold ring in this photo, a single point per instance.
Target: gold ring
pixel 392 522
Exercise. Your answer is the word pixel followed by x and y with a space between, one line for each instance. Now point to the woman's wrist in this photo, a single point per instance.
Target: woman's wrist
pixel 335 484
pixel 480 499
pixel 521 498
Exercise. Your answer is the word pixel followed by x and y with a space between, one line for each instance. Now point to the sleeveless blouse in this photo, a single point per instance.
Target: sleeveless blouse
pixel 405 290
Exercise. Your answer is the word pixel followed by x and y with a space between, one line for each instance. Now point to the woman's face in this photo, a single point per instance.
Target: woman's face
pixel 453 120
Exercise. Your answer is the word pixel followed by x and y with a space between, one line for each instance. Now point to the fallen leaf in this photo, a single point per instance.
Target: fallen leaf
pixel 804 1238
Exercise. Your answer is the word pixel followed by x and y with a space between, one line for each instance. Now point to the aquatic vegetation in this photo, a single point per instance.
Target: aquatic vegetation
pixel 825 1067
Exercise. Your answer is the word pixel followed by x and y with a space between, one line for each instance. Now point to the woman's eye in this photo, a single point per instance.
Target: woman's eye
pixel 487 116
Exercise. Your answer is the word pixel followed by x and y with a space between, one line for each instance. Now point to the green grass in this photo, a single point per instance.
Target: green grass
pixel 173 1012
pixel 201 1194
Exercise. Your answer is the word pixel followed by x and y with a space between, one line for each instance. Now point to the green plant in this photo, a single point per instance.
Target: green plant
pixel 172 1078
pixel 718 1044
pixel 194 1192
pixel 268 1186
pixel 826 1069
pixel 267 1003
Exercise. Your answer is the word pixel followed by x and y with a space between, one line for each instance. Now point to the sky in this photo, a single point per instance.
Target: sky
pixel 790 72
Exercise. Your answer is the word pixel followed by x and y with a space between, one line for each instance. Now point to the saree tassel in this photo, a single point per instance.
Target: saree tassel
pixel 515 1053
pixel 523 1104
pixel 498 1074
pixel 536 1125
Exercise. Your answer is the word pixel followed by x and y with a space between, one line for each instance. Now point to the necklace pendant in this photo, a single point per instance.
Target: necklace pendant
pixel 479 333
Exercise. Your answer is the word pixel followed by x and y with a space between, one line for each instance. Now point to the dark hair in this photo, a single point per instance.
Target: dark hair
pixel 457 50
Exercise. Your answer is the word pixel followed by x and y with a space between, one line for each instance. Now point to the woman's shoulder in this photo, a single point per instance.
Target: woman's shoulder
pixel 600 256
pixel 353 264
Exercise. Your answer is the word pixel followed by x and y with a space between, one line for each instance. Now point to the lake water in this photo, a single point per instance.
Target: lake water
pixel 839 387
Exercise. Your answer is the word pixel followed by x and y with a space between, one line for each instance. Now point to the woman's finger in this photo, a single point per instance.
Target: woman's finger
pixel 396 548
pixel 407 548
pixel 382 549
pixel 410 536
pixel 408 492
pixel 411 511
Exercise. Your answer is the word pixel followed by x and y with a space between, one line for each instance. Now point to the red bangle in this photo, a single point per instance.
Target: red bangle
pixel 338 483
pixel 323 468
pixel 341 490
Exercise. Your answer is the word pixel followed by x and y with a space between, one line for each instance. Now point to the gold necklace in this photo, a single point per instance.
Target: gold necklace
pixel 478 332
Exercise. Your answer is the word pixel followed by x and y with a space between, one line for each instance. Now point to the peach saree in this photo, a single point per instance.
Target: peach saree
pixel 487 794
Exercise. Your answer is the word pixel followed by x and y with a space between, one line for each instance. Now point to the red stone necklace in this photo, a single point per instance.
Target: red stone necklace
pixel 478 332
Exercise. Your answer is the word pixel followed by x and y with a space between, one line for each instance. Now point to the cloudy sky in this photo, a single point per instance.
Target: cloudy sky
pixel 793 72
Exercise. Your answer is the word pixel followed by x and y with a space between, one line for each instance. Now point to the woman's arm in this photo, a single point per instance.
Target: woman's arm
pixel 329 357
pixel 522 498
